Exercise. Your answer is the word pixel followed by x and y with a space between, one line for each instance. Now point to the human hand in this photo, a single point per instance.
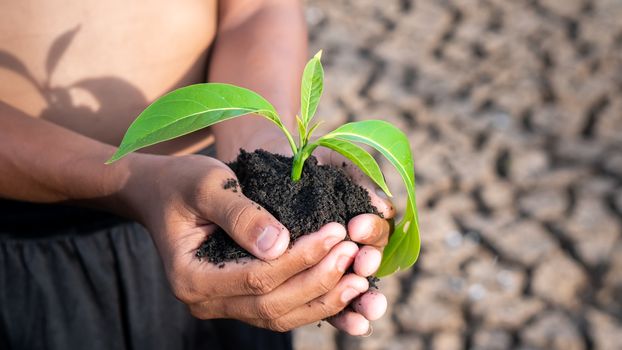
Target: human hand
pixel 369 230
pixel 283 289
pixel 372 232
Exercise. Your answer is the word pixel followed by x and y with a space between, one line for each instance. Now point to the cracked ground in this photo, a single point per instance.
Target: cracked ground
pixel 514 112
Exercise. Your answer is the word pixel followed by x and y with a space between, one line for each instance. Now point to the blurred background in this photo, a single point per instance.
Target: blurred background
pixel 514 112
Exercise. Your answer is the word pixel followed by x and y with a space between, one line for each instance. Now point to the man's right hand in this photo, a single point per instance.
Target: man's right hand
pixel 181 200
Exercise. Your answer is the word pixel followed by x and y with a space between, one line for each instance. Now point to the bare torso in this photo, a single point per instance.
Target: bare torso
pixel 92 66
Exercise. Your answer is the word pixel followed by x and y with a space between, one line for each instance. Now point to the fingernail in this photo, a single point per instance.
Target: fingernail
pixel 349 294
pixel 369 332
pixel 267 238
pixel 381 193
pixel 343 263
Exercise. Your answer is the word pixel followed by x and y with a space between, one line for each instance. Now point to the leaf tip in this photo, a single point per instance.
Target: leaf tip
pixel 318 55
pixel 116 156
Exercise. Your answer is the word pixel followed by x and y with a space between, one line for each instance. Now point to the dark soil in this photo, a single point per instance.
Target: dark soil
pixel 324 194
pixel 231 184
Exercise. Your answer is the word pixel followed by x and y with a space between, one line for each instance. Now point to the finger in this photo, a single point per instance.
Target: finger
pixel 372 305
pixel 249 225
pixel 328 305
pixel 352 323
pixel 299 290
pixel 369 229
pixel 256 277
pixel 367 261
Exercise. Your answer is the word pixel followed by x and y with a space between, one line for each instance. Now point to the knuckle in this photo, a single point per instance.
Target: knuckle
pixel 267 310
pixel 240 216
pixel 184 287
pixel 182 291
pixel 331 309
pixel 209 309
pixel 235 215
pixel 182 294
pixel 326 283
pixel 326 310
pixel 279 325
pixel 258 283
pixel 199 312
pixel 309 258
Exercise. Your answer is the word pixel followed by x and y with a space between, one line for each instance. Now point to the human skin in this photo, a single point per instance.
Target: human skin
pixel 238 58
pixel 174 196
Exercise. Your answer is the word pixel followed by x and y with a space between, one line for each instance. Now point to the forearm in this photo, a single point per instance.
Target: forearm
pixel 261 45
pixel 42 162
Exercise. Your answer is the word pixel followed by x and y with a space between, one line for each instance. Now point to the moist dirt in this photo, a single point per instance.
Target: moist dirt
pixel 323 194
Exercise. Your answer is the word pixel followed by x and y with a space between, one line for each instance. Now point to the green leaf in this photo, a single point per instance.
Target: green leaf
pixel 189 109
pixel 311 88
pixel 360 157
pixel 312 129
pixel 302 131
pixel 404 244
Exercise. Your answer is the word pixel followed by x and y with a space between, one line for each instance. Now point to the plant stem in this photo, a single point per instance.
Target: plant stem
pixel 300 158
pixel 297 165
pixel 290 139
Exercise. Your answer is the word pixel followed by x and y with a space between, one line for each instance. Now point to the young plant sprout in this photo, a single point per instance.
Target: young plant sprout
pixel 194 107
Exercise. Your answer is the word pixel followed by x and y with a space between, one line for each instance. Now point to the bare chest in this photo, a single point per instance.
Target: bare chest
pixel 91 66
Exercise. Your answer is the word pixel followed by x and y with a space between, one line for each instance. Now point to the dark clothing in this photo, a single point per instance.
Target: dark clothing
pixel 73 278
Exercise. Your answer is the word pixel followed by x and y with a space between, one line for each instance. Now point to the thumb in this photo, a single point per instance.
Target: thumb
pixel 247 223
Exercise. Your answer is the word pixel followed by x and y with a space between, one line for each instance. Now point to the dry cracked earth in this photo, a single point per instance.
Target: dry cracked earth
pixel 514 111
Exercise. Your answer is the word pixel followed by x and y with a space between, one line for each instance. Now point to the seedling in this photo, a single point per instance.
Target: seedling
pixel 194 107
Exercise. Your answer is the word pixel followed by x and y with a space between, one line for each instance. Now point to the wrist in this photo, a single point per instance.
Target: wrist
pixel 136 192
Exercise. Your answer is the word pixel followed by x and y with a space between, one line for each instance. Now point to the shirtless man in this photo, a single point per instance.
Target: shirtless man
pixel 73 76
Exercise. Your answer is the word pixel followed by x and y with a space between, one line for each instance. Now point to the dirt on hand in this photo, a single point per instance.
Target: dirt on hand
pixel 324 194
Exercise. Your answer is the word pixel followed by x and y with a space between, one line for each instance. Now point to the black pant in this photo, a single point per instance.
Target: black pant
pixel 80 279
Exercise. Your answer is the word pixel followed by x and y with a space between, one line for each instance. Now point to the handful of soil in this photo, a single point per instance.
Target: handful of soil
pixel 323 194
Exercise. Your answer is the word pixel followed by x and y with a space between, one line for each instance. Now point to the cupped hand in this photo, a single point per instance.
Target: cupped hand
pixel 372 232
pixel 283 289
pixel 369 230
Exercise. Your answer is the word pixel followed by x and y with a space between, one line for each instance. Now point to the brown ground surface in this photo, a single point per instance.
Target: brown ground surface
pixel 514 111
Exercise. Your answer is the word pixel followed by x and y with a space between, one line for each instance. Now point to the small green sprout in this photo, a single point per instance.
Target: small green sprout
pixel 195 107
